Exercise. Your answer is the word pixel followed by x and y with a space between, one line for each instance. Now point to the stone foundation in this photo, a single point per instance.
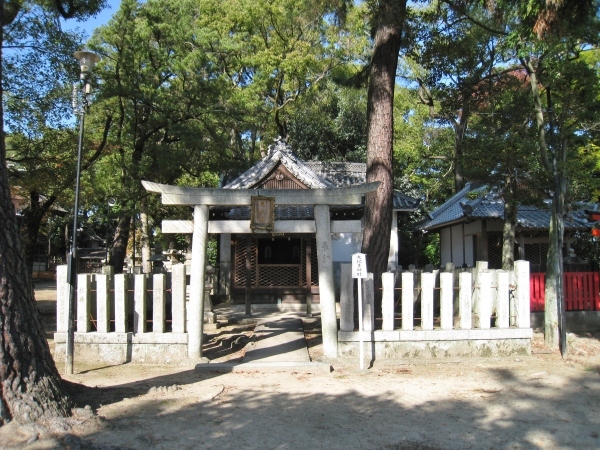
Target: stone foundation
pixel 436 344
pixel 120 348
pixel 437 349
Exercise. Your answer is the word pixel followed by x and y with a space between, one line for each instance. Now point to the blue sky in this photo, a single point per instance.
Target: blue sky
pixel 88 26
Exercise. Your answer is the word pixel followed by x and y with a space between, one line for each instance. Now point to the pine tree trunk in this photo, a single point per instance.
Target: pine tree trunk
pixel 30 386
pixel 380 135
pixel 508 235
pixel 119 249
pixel 31 222
pixel 460 128
pixel 510 224
pixel 145 236
pixel 554 298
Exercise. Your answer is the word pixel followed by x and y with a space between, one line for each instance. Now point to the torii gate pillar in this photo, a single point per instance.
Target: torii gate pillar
pixel 326 286
pixel 197 280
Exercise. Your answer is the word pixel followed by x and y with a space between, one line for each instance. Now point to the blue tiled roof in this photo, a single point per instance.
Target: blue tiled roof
pixel 489 205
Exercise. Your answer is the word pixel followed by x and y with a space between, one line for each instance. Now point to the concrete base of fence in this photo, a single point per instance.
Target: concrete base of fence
pixel 577 321
pixel 437 344
pixel 120 348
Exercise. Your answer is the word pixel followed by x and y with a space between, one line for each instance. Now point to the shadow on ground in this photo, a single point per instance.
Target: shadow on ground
pixel 346 411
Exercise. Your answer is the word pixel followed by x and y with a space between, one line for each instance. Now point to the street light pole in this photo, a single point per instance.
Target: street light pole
pixel 110 202
pixel 87 60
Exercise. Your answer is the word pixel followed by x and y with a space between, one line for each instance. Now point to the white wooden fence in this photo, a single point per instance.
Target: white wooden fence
pixel 459 305
pixel 142 318
pixel 126 317
pixel 125 302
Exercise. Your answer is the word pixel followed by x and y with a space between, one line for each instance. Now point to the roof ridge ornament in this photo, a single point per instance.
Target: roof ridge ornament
pixel 280 145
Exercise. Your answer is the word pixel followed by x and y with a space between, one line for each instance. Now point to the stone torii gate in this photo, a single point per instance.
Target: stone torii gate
pixel 202 198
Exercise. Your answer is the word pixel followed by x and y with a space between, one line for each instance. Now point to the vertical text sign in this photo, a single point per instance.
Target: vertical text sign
pixel 359 270
pixel 359 265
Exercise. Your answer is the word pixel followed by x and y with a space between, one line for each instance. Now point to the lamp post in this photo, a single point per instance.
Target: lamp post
pixel 87 60
pixel 110 202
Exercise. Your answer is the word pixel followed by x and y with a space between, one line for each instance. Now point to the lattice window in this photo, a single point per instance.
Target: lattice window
pixel 537 254
pixel 274 275
pixel 240 262
pixel 279 275
pixel 494 250
pixel 253 261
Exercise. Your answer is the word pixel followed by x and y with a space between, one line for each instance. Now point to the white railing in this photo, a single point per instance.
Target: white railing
pixel 126 317
pixel 124 303
pixel 142 318
pixel 457 305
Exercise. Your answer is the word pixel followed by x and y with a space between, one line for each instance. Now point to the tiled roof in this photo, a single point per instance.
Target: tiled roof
pixel 278 152
pixel 489 205
pixel 339 173
pixel 349 173
pixel 314 174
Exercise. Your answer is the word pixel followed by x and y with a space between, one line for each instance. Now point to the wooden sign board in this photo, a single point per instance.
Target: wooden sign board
pixel 262 213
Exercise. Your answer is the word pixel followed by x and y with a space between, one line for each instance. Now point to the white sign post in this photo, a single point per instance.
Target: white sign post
pixel 359 271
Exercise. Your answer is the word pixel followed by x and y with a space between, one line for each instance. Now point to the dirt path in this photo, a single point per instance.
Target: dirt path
pixel 536 402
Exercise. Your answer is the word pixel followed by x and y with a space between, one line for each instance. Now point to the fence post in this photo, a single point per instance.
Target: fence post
pixel 368 287
pixel 485 299
pixel 62 299
pixel 346 298
pixel 503 307
pixel 427 285
pixel 387 301
pixel 159 284
pixel 446 307
pixel 408 300
pixel 523 319
pixel 83 302
pixel 178 286
pixel 465 307
pixel 494 292
pixel 139 303
pixel 480 266
pixel 121 303
pixel 102 304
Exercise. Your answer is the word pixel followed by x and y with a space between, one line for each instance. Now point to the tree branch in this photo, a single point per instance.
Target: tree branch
pixel 462 11
pixel 100 148
pixel 66 13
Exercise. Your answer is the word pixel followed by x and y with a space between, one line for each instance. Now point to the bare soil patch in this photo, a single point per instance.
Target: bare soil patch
pixel 535 402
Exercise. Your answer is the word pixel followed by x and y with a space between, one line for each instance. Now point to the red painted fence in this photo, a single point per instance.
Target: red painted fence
pixel 582 291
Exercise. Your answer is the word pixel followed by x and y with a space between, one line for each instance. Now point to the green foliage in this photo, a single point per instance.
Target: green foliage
pixel 500 143
pixel 329 124
pixel 432 250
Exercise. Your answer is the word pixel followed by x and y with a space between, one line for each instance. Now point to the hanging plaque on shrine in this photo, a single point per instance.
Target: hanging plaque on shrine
pixel 262 213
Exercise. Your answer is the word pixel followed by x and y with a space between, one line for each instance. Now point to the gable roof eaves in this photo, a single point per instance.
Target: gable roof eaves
pixel 261 169
pixel 455 199
pixel 303 173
